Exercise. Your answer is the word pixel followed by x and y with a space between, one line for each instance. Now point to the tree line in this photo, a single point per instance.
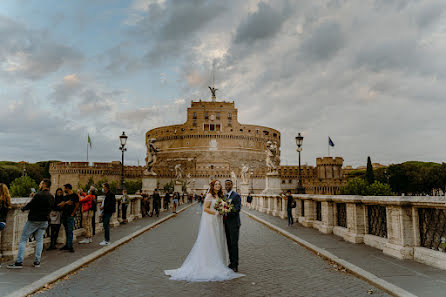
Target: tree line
pixel 409 178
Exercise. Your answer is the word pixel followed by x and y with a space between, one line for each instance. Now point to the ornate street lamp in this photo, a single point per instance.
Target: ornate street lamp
pixel 122 148
pixel 299 141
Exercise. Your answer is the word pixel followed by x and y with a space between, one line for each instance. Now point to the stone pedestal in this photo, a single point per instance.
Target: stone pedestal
pixel 178 187
pixel 244 189
pixel 272 184
pixel 149 183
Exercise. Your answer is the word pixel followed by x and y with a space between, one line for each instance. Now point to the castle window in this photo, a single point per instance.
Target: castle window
pixel 229 124
pixel 182 129
pixel 275 134
pixel 229 116
pixel 257 131
pixel 218 127
pixel 249 131
pixel 218 116
pixel 283 181
pixel 241 130
pixel 212 166
pixel 289 181
pixel 212 127
pixel 265 132
pixel 194 123
pixel 206 115
pixel 206 127
pixel 195 116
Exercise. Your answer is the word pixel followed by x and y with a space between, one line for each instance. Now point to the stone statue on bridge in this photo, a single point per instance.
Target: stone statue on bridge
pixel 178 172
pixel 152 151
pixel 245 173
pixel 272 157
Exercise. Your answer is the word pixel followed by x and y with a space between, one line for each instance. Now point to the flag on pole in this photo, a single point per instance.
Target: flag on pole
pixel 330 142
pixel 89 140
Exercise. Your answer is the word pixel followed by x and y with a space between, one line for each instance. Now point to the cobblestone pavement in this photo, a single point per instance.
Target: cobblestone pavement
pixel 414 277
pixel 273 264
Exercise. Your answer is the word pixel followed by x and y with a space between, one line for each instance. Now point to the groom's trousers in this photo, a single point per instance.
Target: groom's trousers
pixel 232 231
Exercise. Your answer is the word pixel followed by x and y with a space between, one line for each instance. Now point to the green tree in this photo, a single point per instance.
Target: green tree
pixel 369 176
pixel 359 186
pixel 21 187
pixel 355 186
pixel 133 186
pixel 379 189
pixel 169 187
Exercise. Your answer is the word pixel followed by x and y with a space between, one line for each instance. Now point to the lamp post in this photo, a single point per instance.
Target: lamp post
pixel 122 148
pixel 300 187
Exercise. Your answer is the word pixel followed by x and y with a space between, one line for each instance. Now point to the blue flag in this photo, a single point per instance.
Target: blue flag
pixel 330 142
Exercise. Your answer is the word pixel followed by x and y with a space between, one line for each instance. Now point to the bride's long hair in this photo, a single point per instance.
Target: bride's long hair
pixel 213 191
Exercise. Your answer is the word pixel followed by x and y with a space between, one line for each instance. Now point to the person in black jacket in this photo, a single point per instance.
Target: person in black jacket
pixel 108 208
pixel 156 198
pixel 232 224
pixel 39 209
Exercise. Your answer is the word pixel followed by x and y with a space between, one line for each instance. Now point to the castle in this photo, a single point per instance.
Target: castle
pixel 211 143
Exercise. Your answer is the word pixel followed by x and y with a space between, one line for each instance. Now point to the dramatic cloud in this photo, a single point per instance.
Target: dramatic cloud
pixel 370 74
pixel 30 53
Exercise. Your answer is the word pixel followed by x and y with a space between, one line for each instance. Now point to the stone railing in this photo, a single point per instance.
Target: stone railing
pixel 16 219
pixel 406 227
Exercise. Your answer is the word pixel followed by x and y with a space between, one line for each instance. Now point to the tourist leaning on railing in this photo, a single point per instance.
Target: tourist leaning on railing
pixel 290 205
pixel 55 219
pixel 39 209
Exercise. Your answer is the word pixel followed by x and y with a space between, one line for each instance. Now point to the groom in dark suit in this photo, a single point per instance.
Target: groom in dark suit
pixel 232 225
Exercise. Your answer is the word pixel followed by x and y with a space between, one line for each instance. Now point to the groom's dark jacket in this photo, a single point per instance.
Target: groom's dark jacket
pixel 234 216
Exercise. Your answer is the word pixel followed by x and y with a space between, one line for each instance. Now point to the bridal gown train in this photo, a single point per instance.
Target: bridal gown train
pixel 207 261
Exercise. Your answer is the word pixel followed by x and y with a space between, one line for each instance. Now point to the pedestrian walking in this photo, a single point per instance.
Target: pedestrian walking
pixel 108 208
pixel 87 214
pixel 175 201
pixel 5 205
pixel 69 206
pixel 125 200
pixel 39 210
pixel 156 198
pixel 166 201
pixel 55 219
pixel 290 205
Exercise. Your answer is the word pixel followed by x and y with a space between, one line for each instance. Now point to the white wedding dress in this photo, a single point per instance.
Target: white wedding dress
pixel 207 261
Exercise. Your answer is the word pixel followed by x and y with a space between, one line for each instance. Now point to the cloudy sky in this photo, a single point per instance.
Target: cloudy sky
pixel 370 74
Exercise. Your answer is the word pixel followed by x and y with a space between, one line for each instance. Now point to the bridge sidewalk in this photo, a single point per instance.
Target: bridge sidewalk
pixel 416 278
pixel 12 280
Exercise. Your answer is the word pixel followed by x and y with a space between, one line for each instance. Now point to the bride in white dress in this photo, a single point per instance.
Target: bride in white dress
pixel 208 258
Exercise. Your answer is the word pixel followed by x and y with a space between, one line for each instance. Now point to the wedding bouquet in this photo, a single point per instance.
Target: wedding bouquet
pixel 223 207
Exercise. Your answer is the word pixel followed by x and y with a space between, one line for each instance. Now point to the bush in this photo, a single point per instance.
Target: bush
pixel 21 187
pixel 133 186
pixel 359 186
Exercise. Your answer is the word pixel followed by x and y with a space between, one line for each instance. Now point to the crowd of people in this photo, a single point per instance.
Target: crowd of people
pixel 47 213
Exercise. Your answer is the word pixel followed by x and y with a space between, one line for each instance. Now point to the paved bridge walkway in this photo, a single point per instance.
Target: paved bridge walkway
pixel 273 264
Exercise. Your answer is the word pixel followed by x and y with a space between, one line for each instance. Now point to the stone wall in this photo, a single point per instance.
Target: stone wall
pixel 403 227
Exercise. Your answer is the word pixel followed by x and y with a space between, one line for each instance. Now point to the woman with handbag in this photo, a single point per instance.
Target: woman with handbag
pixel 55 222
